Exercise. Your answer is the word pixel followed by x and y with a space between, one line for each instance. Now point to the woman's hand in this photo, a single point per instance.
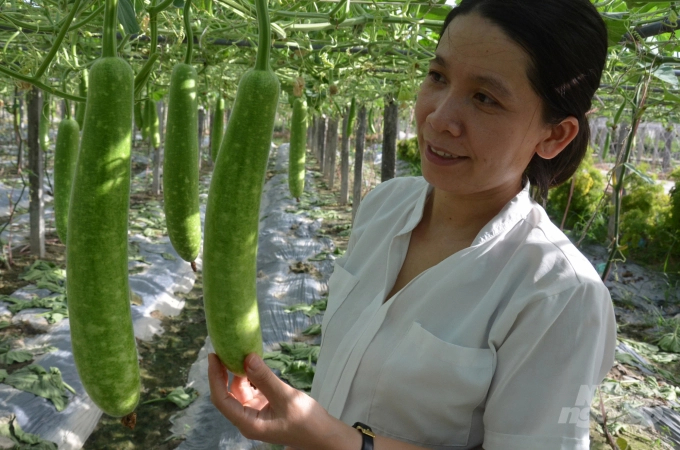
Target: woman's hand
pixel 272 411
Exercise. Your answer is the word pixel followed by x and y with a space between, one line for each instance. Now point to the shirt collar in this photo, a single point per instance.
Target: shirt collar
pixel 514 211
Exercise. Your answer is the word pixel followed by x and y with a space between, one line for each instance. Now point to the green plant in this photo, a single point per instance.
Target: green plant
pixel 297 151
pixel 588 190
pixel 65 157
pixel 217 130
pixel 104 347
pixel 408 150
pixel 644 211
pixel 180 165
pixel 232 214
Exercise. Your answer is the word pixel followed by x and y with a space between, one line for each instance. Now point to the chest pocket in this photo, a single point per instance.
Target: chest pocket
pixel 428 388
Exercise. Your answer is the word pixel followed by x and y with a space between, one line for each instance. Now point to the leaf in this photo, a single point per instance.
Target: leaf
pixel 313 330
pixel 616 29
pixel 277 360
pixel 179 396
pixel 168 256
pixel 666 73
pixel 3 374
pixel 36 380
pixel 622 443
pixel 178 3
pixel 24 440
pixel 127 17
pixel 299 374
pixel 11 356
pixel 646 178
pixel 670 342
pixel 301 351
pixel 308 310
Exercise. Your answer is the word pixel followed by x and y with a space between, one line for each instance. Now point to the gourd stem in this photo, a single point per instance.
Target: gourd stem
pixel 264 33
pixel 57 42
pixel 109 47
pixel 189 33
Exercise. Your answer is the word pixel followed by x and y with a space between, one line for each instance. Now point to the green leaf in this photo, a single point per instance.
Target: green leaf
pixel 23 440
pixel 646 178
pixel 616 29
pixel 666 73
pixel 178 3
pixel 179 396
pixel 308 310
pixel 277 360
pixel 3 374
pixel 313 330
pixel 670 342
pixel 127 17
pixel 168 256
pixel 299 374
pixel 13 356
pixel 622 443
pixel 301 351
pixel 36 380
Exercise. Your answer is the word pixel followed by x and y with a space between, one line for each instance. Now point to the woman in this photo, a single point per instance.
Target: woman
pixel 460 316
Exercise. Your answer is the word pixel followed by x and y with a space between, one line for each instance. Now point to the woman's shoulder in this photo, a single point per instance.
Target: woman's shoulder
pixel 391 196
pixel 556 254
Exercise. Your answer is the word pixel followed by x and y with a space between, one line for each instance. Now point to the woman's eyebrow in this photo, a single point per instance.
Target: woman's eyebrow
pixel 495 83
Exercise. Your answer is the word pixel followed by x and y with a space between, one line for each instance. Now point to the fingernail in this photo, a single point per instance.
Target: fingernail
pixel 254 363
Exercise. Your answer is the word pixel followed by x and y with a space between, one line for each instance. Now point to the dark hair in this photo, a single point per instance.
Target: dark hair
pixel 566 41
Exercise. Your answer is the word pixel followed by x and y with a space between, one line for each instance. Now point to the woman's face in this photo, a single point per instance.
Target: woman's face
pixel 477 109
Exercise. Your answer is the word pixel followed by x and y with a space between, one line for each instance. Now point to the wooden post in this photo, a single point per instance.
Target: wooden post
pixel 35 177
pixel 344 161
pixel 389 147
pixel 321 140
pixel 331 150
pixel 358 160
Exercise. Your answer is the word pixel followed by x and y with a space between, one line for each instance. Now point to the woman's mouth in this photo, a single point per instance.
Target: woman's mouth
pixel 440 157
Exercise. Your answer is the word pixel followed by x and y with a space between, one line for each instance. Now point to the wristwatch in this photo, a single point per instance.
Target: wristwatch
pixel 367 435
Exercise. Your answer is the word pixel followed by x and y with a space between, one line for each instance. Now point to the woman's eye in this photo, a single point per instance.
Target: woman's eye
pixel 484 99
pixel 435 76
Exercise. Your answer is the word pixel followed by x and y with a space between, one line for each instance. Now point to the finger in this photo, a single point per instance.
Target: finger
pixel 226 403
pixel 275 390
pixel 240 388
pixel 258 402
pixel 217 377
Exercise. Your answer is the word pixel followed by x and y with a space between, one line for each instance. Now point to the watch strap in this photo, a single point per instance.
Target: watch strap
pixel 367 435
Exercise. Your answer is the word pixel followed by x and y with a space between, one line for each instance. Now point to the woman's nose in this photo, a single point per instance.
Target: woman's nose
pixel 446 115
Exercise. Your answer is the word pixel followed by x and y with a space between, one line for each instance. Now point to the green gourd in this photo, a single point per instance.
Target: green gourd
pixel 152 122
pixel 180 165
pixel 217 130
pixel 80 107
pixel 65 157
pixel 352 115
pixel 139 119
pixel 102 335
pixel 232 214
pixel 44 124
pixel 297 151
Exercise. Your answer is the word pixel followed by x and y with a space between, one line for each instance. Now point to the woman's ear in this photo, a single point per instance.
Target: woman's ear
pixel 560 136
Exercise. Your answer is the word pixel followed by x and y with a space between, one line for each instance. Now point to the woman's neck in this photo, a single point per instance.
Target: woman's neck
pixel 454 218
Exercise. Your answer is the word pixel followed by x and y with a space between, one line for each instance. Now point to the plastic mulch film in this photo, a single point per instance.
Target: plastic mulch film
pixel 156 273
pixel 286 239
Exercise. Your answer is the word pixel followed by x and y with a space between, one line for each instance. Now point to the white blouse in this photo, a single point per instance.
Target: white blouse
pixel 501 344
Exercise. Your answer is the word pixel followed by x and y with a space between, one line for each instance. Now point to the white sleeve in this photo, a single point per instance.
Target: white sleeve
pixel 554 357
